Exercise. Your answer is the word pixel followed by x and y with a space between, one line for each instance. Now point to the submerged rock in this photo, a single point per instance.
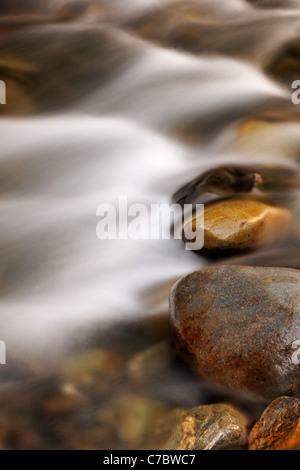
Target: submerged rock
pixel 285 65
pixel 211 427
pixel 27 63
pixel 93 371
pixel 236 325
pixel 239 224
pixel 279 426
pixel 133 418
pixel 151 363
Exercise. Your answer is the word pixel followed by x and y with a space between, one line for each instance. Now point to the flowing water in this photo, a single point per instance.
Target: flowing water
pixel 112 98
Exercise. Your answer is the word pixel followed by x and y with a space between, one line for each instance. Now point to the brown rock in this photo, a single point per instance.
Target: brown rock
pixel 164 429
pixel 93 371
pixel 285 65
pixel 236 325
pixel 65 400
pixel 217 182
pixel 28 66
pixel 211 427
pixel 231 180
pixel 133 418
pixel 150 364
pixel 240 224
pixel 279 426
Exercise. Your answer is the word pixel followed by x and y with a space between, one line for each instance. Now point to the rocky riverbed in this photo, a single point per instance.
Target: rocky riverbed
pixel 141 344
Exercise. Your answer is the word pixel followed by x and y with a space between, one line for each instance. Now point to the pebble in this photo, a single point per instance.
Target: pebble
pixel 239 224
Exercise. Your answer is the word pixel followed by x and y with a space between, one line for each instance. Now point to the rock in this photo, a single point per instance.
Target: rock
pixel 150 364
pixel 239 224
pixel 285 65
pixel 103 52
pixel 12 438
pixel 231 180
pixel 236 326
pixel 17 74
pixel 65 400
pixel 217 182
pixel 273 134
pixel 164 430
pixel 133 418
pixel 211 427
pixel 20 7
pixel 279 426
pixel 92 371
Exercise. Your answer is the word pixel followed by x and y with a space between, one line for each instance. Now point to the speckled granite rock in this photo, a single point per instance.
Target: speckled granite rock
pixel 236 325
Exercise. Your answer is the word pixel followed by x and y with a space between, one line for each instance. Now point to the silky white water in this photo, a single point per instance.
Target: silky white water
pixel 58 281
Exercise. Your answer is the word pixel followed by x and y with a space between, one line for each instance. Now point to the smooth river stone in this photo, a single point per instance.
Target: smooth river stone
pixel 236 325
pixel 236 225
pixel 279 426
pixel 217 182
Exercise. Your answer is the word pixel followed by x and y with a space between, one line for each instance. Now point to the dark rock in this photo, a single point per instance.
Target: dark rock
pixel 30 56
pixel 222 181
pixel 285 65
pixel 279 426
pixel 236 325
pixel 232 180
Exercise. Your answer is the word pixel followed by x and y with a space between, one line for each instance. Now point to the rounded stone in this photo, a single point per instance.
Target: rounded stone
pixel 237 326
pixel 239 224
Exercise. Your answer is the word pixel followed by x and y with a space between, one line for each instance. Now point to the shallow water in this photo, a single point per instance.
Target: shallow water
pixel 134 111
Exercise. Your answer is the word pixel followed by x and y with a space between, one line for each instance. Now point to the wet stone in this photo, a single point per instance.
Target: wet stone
pixel 285 65
pixel 236 325
pixel 279 426
pixel 150 364
pixel 231 180
pixel 65 400
pixel 134 419
pixel 28 70
pixel 211 427
pixel 217 182
pixel 92 371
pixel 238 225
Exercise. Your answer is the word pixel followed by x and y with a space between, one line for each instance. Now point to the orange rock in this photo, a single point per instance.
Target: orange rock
pixel 279 426
pixel 241 224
